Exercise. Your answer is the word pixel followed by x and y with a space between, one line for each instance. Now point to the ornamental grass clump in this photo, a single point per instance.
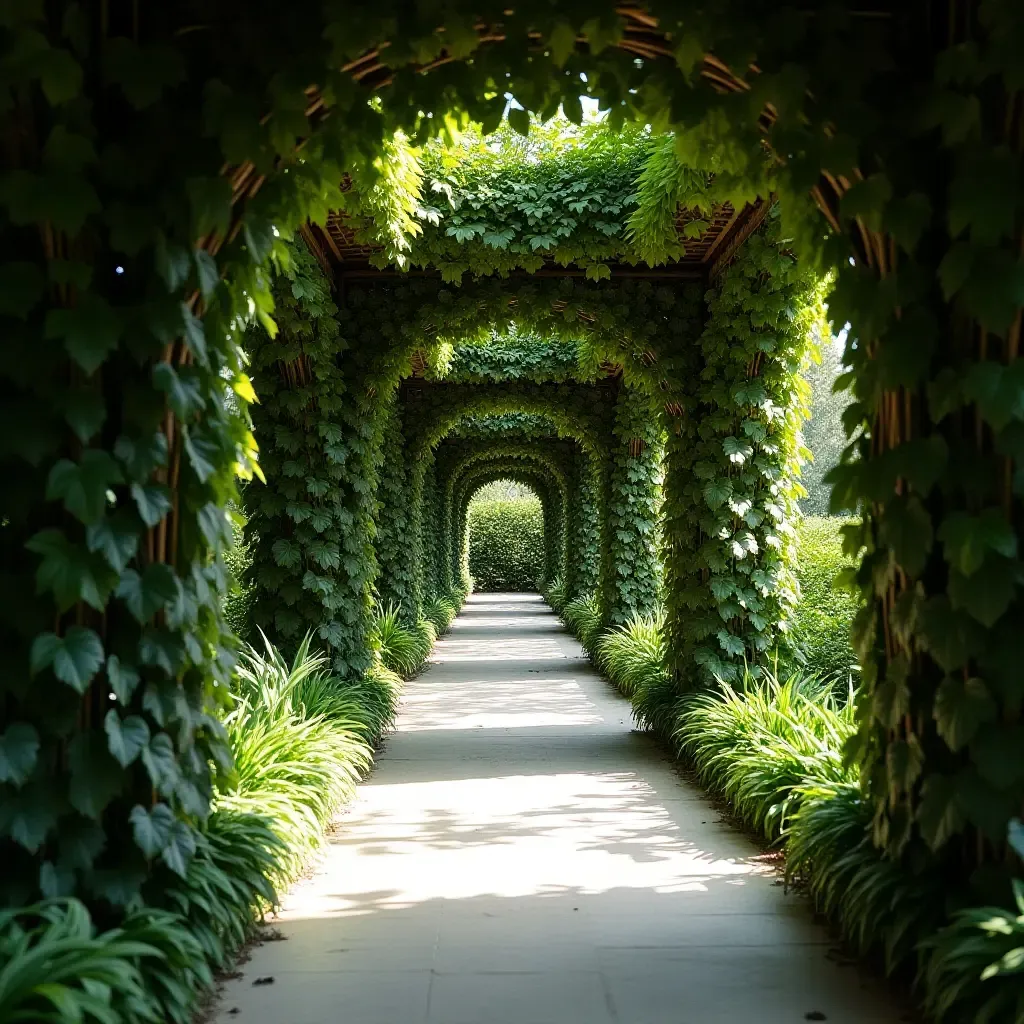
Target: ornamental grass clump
pixel 633 655
pixel 55 968
pixel 301 745
pixel 402 647
pixel 440 612
pixel 759 744
pixel 582 618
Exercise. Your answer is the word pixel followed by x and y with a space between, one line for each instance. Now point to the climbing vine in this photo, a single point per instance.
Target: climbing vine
pixel 741 456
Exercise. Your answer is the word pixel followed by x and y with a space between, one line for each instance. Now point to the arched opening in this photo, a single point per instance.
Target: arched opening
pixel 505 537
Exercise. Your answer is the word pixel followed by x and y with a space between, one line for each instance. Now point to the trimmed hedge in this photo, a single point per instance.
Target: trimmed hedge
pixel 506 544
pixel 821 623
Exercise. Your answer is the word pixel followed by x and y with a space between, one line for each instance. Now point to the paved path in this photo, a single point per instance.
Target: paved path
pixel 520 856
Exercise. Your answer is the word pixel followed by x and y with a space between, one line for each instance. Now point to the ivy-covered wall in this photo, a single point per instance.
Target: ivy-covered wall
pixel 635 469
pixel 400 578
pixel 732 465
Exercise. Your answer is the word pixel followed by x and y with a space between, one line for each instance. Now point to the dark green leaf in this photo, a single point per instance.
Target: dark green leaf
pixel 939 814
pixel 961 709
pixel 83 485
pixel 75 658
pixel 151 829
pixel 125 737
pixel 19 747
pixel 95 778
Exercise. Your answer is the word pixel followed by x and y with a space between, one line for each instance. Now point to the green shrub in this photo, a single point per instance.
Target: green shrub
pixel 402 647
pixel 506 544
pixel 878 903
pixel 820 633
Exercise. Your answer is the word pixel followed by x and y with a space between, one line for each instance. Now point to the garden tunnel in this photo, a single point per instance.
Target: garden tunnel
pixel 211 249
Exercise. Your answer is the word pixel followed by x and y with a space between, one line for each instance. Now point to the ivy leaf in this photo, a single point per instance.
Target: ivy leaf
pixel 95 777
pixel 968 538
pixel 75 657
pixel 151 829
pixel 83 485
pixel 948 635
pixel 19 748
pixel 153 502
pixel 85 413
pixel 738 451
pixel 60 75
pixel 904 760
pixel 68 571
pixel 986 594
pixel 572 108
pixel 195 335
pixel 961 708
pixel 730 644
pixel 161 762
pixel 125 737
pixel 148 593
pixel 519 120
pixel 115 538
pixel 998 391
pixel 891 699
pixel 906 528
pixel 143 73
pixel 90 330
pixel 717 493
pixel 207 272
pixel 180 848
pixel 202 454
pixel 123 679
pixel 142 455
pixel 562 42
pixel 939 814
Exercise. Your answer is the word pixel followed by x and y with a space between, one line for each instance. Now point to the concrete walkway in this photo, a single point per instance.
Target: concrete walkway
pixel 521 856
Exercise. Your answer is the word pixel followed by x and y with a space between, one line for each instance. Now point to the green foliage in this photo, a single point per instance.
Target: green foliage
pixel 440 614
pixel 402 648
pixel 56 968
pixel 239 603
pixel 877 903
pixel 731 540
pixel 633 580
pixel 300 742
pixel 976 964
pixel 313 559
pixel 633 655
pixel 583 619
pixel 506 544
pixel 514 356
pixel 824 434
pixel 823 617
pixel 760 744
pixel 565 196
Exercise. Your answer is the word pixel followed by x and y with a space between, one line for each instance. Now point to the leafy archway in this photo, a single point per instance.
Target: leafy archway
pixel 153 178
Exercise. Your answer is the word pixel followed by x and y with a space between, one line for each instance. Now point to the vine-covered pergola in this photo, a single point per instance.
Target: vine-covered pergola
pixel 209 247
